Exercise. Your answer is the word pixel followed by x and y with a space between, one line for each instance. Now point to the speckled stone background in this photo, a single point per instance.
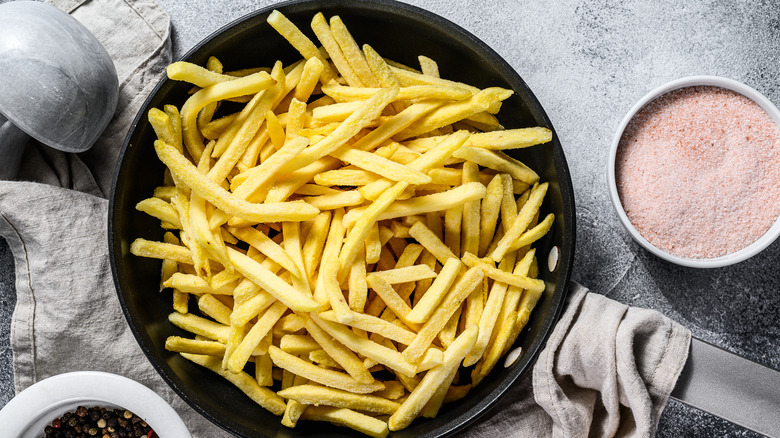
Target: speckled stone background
pixel 588 62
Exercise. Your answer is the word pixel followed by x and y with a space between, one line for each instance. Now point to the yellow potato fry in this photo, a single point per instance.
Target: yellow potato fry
pixel 275 129
pixel 521 222
pixel 396 124
pixel 352 52
pixel 289 183
pixel 200 326
pixel 250 308
pixel 295 118
pixel 333 379
pixel 454 111
pixel 214 308
pixel 405 274
pixel 165 193
pixel 507 317
pixel 432 358
pixel 321 395
pixel 431 159
pixel 256 334
pixel 162 125
pixel 257 180
pixel 345 417
pixel 312 70
pixel 223 90
pixel 299 41
pixel 498 162
pixel 338 112
pixel 504 277
pixel 298 344
pixel 294 409
pixel 373 244
pixel 337 200
pixel 393 390
pixel 441 285
pixel 175 117
pixel 161 210
pixel 374 325
pixel 381 166
pixel 431 242
pixel 379 353
pixel 431 408
pixel 491 207
pixel 447 334
pixel 465 284
pixel 288 324
pixel 320 27
pixel 391 298
pixel 490 313
pixel 226 201
pixel 266 246
pixel 291 231
pixel 345 177
pixel 534 233
pixel 471 210
pixel 315 242
pixel 341 93
pixel 292 298
pixel 343 356
pixel 428 66
pixel 511 138
pixel 433 379
pixel 195 285
pixel 358 288
pixel 260 395
pixel 192 346
pixel 365 222
pixel 232 150
pixel 368 111
pixel 315 190
pixel 159 250
pixel 195 74
pixel 425 204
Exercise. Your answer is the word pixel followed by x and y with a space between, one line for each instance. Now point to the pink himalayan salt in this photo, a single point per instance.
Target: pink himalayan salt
pixel 698 172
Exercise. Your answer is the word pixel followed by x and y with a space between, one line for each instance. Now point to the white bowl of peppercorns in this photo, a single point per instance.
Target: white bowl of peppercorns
pixel 90 404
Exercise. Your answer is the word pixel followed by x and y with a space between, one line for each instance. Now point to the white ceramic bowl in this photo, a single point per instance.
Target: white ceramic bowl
pixel 27 414
pixel 728 259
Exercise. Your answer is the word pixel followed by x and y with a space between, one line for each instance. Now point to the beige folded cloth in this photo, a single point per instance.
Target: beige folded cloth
pixel 607 369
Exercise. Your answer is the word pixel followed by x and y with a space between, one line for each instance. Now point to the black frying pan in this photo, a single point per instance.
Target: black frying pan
pixel 399 32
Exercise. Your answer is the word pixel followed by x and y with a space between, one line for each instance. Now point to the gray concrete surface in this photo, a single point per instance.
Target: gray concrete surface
pixel 588 62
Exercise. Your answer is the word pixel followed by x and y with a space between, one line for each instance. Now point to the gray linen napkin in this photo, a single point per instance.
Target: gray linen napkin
pixel 607 369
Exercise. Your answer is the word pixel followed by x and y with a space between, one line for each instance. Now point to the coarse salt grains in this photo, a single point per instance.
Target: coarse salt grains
pixel 698 172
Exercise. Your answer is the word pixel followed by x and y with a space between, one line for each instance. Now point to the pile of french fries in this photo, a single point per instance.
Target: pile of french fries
pixel 351 232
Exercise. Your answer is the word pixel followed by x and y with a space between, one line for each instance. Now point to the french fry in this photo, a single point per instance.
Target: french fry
pixel 192 346
pixel 299 41
pixel 467 282
pixel 226 201
pixel 358 287
pixel 428 303
pixel 333 379
pixel 200 326
pixel 294 299
pixel 504 277
pixel 195 74
pixel 298 344
pixel 491 208
pixel 214 308
pixel 337 200
pixel 266 246
pixel 368 111
pixel 405 274
pixel 321 395
pixel 498 162
pixel 312 70
pixel 375 325
pixel 433 379
pixel 256 334
pixel 260 395
pixel 386 356
pixel 250 308
pixel 425 204
pixel 521 222
pixel 349 418
pixel 342 355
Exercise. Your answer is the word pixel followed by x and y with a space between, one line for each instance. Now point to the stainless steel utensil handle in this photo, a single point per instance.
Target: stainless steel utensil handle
pixel 731 387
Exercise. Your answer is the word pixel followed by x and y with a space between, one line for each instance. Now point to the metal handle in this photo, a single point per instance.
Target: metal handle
pixel 731 387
